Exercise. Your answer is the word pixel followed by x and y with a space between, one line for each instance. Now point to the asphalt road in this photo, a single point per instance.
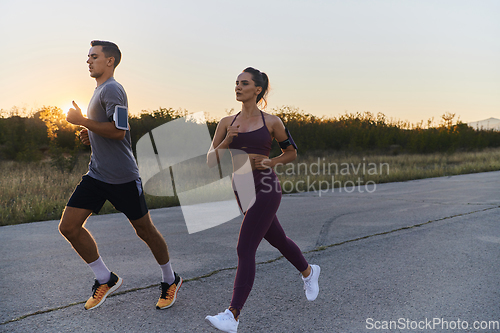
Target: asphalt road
pixel 411 256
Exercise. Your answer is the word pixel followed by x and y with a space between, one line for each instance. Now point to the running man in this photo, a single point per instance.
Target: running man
pixel 113 175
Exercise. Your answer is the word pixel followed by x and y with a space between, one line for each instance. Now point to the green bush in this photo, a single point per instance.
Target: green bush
pixel 25 138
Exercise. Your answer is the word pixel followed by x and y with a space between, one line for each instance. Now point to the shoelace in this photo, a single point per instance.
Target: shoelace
pixel 168 292
pixel 308 282
pixel 98 291
pixel 307 285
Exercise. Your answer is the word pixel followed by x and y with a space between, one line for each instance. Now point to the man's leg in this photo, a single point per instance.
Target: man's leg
pixel 171 282
pixel 71 227
pixel 146 231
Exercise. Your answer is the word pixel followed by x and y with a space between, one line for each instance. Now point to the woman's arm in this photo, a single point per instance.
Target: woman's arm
pixel 224 134
pixel 288 154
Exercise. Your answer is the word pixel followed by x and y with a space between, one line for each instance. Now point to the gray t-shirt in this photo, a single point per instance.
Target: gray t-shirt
pixel 112 161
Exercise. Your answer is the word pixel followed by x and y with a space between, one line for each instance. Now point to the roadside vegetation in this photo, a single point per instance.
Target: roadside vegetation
pixel 41 159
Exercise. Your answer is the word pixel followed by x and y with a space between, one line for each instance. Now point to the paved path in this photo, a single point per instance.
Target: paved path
pixel 410 252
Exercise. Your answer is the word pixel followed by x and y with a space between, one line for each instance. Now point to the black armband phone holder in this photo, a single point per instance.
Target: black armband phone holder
pixel 288 142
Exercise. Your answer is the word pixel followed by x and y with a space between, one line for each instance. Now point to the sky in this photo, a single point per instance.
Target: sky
pixel 410 60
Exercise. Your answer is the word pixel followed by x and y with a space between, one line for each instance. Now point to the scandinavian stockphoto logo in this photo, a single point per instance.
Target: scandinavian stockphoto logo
pixel 172 160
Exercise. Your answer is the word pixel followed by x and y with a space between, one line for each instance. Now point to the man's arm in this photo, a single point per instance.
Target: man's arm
pixel 104 129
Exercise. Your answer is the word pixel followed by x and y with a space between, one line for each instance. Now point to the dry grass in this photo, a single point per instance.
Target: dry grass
pixel 343 169
pixel 37 192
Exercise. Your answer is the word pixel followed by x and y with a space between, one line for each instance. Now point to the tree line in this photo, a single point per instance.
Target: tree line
pixel 46 132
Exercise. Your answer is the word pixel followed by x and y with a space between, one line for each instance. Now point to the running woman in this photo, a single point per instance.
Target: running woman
pixel 252 131
pixel 113 175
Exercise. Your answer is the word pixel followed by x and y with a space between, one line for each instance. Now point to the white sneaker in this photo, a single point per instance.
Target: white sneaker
pixel 224 321
pixel 311 283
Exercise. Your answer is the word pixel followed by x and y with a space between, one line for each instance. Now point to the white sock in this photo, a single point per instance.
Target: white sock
pixel 102 273
pixel 167 274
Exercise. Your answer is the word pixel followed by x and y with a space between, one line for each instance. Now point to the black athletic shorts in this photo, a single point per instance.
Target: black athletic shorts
pixel 128 198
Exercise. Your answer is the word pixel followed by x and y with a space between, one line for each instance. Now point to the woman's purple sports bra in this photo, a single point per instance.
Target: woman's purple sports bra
pixel 254 142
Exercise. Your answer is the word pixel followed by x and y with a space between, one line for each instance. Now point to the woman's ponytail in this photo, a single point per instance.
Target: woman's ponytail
pixel 261 80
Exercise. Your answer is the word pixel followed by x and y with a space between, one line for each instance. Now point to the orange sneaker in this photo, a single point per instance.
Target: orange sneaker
pixel 101 291
pixel 169 293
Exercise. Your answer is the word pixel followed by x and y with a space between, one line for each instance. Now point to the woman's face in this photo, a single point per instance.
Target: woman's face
pixel 245 88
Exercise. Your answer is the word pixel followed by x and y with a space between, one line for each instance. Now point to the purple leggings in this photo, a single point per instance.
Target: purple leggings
pixel 260 222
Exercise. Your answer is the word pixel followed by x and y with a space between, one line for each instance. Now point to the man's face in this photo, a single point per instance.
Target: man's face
pixel 98 63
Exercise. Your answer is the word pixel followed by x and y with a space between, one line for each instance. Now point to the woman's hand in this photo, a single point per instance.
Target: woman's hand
pixel 262 162
pixel 232 131
pixel 84 136
pixel 221 141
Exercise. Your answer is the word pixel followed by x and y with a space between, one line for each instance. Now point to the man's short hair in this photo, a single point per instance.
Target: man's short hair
pixel 109 49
